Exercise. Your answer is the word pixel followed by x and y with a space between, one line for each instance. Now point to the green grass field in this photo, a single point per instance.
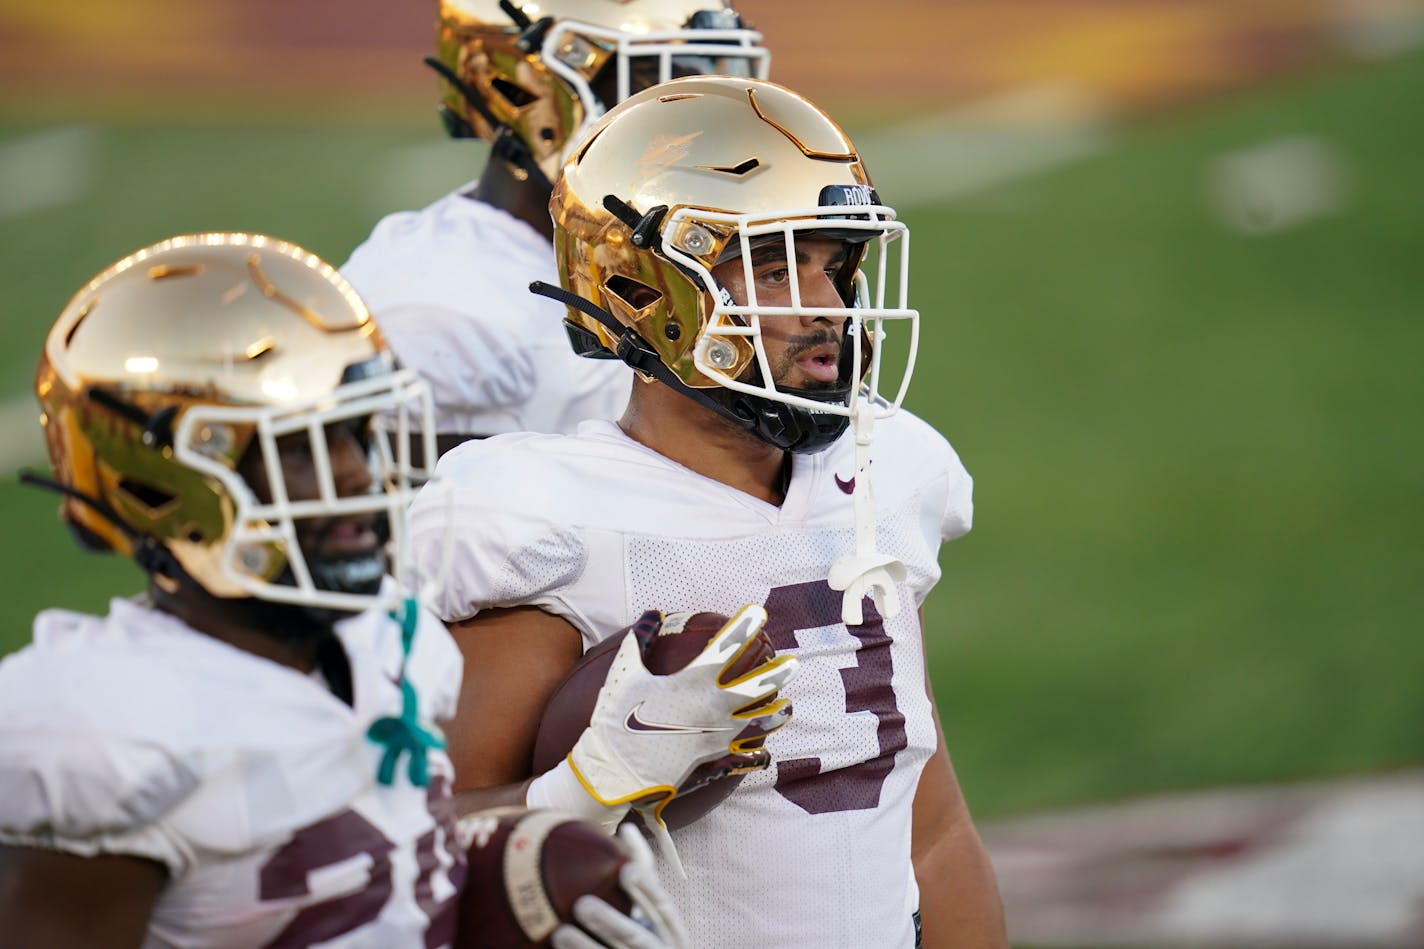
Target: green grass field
pixel 1196 452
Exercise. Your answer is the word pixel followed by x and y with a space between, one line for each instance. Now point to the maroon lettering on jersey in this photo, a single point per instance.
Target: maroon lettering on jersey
pixel 346 835
pixel 868 688
pixel 328 842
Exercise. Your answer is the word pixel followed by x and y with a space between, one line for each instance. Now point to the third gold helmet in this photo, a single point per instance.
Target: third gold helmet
pixel 532 76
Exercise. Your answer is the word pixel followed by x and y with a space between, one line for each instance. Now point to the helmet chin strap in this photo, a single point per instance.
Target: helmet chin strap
pixel 867 571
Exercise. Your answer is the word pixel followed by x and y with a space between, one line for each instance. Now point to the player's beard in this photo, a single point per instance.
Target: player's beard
pixel 784 368
pixel 797 346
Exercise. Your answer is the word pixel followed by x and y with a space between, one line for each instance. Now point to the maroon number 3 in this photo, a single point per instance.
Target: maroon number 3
pixel 868 688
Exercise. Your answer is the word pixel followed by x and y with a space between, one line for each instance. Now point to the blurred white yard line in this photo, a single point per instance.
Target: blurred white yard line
pixel 21 442
pixel 1278 185
pixel 46 169
pixel 971 149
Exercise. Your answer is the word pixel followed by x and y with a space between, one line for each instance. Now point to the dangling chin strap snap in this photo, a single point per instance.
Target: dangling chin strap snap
pixel 404 734
pixel 867 571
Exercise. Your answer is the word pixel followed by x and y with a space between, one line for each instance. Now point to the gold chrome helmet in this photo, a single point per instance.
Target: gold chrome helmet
pixel 697 172
pixel 532 76
pixel 179 367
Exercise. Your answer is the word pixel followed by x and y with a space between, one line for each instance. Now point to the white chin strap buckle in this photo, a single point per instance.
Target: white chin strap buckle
pixel 867 572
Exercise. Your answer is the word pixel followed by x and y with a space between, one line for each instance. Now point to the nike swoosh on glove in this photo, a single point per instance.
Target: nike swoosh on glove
pixel 649 733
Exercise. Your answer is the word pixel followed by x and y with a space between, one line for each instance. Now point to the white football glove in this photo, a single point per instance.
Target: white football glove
pixel 650 734
pixel 653 924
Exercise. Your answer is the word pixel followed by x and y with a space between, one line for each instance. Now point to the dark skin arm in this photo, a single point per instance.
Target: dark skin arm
pixel 513 660
pixel 959 896
pixel 61 901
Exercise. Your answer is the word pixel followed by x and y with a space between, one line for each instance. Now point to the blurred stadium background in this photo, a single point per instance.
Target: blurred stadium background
pixel 1168 257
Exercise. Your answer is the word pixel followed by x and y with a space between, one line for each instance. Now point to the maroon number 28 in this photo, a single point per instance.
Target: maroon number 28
pixel 341 837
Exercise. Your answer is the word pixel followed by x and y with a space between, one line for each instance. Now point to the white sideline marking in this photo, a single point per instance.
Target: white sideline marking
pixel 996 141
pixel 46 169
pixel 21 442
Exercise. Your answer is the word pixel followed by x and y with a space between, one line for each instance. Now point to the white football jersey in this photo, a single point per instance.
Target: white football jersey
pixel 251 783
pixel 449 288
pixel 597 528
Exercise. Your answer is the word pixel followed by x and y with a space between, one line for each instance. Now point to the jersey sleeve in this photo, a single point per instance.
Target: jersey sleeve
pixel 481 538
pixel 471 362
pixel 450 296
pixel 68 782
pixel 959 500
pixel 925 463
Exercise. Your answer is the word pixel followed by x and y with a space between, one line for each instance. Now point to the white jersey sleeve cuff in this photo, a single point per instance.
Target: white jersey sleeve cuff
pixel 81 795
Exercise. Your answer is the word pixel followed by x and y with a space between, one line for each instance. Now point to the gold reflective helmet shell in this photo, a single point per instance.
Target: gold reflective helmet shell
pixel 534 76
pixel 705 168
pixel 167 367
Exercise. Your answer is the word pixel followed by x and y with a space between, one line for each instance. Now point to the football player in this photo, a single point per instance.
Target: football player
pixel 448 284
pixel 248 754
pixel 721 236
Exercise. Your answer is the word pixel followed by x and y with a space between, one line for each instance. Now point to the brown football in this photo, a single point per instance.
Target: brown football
pixel 526 870
pixel 570 707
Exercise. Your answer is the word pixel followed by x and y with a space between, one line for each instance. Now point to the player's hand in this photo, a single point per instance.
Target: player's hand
pixel 649 734
pixel 654 924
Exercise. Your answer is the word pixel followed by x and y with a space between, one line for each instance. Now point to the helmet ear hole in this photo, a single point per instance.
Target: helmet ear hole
pixel 516 96
pixel 152 498
pixel 634 295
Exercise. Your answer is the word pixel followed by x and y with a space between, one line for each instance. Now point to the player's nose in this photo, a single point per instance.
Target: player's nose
pixel 819 291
